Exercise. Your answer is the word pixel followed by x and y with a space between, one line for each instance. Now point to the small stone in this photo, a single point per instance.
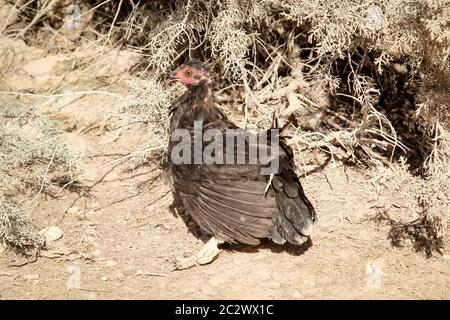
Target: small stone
pixel 52 233
pixel 104 278
pixel 296 295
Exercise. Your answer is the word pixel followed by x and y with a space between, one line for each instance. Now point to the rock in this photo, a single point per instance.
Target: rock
pixel 52 233
pixel 296 295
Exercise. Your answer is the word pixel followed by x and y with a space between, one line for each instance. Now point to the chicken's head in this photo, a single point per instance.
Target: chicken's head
pixel 192 73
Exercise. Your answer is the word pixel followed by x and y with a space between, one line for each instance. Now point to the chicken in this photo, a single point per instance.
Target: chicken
pixel 234 202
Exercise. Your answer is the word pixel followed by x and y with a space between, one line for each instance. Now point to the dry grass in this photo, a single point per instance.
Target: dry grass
pixel 15 229
pixel 33 161
pixel 33 157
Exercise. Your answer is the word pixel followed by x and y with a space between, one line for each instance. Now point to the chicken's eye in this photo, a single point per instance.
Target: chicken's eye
pixel 188 73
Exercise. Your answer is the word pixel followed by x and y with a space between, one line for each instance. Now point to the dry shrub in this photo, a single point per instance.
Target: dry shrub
pixel 33 156
pixel 427 197
pixel 15 229
pixel 148 103
pixel 33 160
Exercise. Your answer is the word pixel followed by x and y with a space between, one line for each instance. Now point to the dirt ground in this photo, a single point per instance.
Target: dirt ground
pixel 123 235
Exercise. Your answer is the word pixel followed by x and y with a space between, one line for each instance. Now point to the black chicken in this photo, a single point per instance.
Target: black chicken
pixel 232 202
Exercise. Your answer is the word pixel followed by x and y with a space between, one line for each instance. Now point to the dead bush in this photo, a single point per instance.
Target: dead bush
pixel 33 161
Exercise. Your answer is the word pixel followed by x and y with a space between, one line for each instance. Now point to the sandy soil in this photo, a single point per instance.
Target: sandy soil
pixel 123 236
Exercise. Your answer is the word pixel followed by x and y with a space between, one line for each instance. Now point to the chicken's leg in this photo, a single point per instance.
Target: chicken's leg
pixel 206 255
